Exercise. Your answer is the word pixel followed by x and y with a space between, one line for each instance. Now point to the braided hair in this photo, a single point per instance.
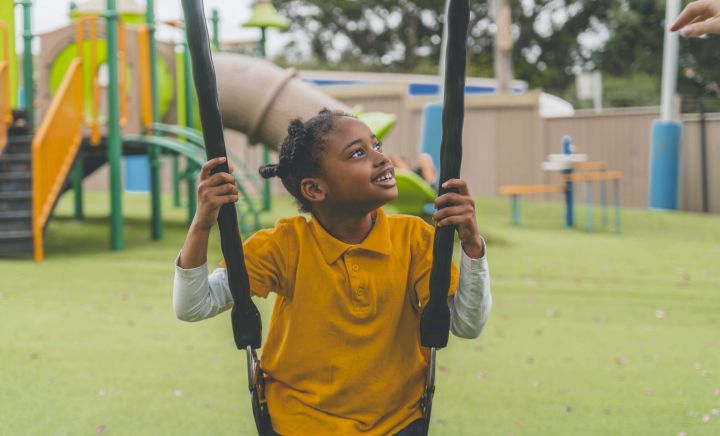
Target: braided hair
pixel 300 153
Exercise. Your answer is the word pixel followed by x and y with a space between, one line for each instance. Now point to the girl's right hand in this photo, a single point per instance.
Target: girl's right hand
pixel 213 192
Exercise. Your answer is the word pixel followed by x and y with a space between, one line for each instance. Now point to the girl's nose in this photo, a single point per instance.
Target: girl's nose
pixel 380 158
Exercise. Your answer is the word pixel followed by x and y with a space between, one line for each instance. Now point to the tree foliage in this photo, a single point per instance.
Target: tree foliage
pixel 405 35
pixel 552 40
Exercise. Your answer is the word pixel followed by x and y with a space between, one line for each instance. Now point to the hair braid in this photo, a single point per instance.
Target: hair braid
pixel 300 152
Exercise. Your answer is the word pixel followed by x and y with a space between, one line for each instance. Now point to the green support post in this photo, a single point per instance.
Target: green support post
pixel 181 111
pixel 114 140
pixel 215 20
pixel 265 15
pixel 28 85
pixel 266 152
pixel 176 179
pixel 7 14
pixel 192 168
pixel 154 152
pixel 76 178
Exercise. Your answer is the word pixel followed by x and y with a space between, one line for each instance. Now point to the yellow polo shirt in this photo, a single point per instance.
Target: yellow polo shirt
pixel 343 355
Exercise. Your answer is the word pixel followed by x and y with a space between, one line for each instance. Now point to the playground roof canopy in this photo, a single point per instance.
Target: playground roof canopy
pixel 99 6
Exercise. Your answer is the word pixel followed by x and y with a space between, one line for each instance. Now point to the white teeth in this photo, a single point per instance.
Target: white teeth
pixel 384 178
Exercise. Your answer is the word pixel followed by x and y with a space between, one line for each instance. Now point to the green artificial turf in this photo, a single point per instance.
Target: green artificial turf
pixel 590 334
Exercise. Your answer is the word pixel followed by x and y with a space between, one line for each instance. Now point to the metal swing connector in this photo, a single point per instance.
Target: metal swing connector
pixel 256 386
pixel 427 398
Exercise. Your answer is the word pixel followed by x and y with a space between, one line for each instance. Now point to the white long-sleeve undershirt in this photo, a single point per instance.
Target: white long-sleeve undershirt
pixel 198 296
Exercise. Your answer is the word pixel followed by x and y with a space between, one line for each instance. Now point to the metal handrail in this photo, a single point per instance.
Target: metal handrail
pixel 194 137
pixel 197 156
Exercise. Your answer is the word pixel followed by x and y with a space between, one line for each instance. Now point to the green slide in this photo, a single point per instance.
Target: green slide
pixel 415 196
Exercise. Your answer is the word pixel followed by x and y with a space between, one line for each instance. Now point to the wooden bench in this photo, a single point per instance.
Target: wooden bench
pixel 587 172
pixel 603 177
pixel 515 191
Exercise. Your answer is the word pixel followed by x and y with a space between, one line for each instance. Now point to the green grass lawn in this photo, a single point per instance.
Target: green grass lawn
pixel 590 334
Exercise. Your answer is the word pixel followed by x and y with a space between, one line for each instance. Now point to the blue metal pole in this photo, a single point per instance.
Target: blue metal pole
pixel 616 188
pixel 666 132
pixel 603 200
pixel 664 164
pixel 569 212
pixel 515 202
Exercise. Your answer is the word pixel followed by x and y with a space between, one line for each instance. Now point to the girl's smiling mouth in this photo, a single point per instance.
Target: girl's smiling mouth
pixel 386 178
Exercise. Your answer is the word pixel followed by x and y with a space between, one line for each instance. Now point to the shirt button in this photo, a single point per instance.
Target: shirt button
pixel 360 291
pixel 356 267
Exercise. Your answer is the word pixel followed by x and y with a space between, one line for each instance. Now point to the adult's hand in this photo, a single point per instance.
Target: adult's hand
pixel 698 18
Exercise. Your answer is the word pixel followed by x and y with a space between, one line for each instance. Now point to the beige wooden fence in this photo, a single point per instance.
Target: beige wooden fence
pixel 505 141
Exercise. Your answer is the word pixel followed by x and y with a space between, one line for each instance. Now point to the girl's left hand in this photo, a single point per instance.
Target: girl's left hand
pixel 459 209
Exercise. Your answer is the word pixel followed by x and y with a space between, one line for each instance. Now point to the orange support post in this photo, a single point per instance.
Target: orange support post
pixel 122 65
pixel 5 110
pixel 94 119
pixel 144 71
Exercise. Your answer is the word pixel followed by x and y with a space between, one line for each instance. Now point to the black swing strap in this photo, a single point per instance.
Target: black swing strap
pixel 247 327
pixel 245 317
pixel 435 320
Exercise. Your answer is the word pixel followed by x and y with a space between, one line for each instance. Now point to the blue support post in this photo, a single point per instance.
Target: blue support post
pixel 603 200
pixel 515 204
pixel 569 212
pixel 431 133
pixel 616 188
pixel 664 164
pixel 666 133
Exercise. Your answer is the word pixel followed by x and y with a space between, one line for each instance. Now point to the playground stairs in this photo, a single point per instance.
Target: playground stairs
pixel 16 190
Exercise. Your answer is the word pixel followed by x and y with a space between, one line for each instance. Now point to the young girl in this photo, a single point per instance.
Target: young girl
pixel 343 355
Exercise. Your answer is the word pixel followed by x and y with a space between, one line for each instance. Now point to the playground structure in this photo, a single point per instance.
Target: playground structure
pixel 147 107
pixel 573 168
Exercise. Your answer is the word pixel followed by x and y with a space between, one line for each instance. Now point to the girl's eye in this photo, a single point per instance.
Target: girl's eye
pixel 357 153
pixel 360 152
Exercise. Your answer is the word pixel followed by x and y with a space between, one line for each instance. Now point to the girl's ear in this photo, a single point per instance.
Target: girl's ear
pixel 313 190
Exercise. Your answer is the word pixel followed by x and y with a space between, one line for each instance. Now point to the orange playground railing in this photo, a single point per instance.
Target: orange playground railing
pixel 60 135
pixel 54 148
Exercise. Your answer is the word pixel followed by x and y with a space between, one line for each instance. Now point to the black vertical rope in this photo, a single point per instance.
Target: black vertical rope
pixel 435 322
pixel 247 326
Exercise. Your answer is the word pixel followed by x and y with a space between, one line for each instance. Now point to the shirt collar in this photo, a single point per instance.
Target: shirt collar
pixel 378 240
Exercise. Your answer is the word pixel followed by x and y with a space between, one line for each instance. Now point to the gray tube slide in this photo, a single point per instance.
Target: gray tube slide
pixel 259 99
